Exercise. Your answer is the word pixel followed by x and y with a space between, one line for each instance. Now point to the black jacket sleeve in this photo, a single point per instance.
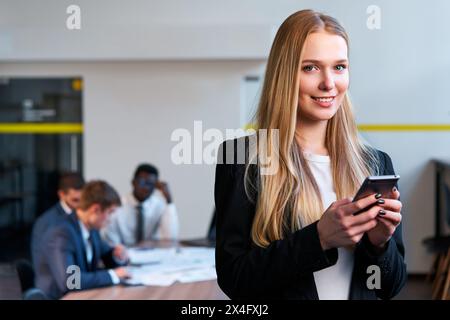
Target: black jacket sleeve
pixel 391 261
pixel 245 270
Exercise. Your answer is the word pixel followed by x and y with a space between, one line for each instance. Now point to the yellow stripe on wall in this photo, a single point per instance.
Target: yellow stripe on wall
pixel 390 127
pixel 404 127
pixel 61 128
pixel 41 128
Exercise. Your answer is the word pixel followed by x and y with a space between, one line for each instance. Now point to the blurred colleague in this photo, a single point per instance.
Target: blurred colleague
pixel 148 213
pixel 69 194
pixel 72 248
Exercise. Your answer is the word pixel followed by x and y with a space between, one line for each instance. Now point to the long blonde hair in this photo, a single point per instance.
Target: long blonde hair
pixel 290 199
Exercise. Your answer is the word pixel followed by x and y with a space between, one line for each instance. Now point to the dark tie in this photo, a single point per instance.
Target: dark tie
pixel 91 264
pixel 140 224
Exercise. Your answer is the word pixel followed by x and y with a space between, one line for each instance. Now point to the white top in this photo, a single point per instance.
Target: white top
pixel 85 234
pixel 160 220
pixel 332 283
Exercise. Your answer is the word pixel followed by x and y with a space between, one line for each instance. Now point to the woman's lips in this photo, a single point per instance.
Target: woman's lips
pixel 324 101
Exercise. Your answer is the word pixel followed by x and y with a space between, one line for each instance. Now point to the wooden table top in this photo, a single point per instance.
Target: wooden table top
pixel 202 290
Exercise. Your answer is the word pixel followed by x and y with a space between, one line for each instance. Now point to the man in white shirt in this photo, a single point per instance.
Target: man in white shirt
pixel 146 214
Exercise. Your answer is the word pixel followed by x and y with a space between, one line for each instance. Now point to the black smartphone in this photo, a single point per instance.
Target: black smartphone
pixel 376 184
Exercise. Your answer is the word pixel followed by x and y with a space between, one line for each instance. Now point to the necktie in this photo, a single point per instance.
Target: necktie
pixel 140 223
pixel 90 253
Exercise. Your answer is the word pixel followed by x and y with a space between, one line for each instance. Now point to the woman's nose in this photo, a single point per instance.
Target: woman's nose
pixel 327 82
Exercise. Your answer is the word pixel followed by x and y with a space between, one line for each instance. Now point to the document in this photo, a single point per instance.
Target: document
pixel 164 266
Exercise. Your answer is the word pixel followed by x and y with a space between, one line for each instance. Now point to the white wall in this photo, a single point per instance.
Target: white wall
pixel 129 113
pixel 139 29
pixel 399 74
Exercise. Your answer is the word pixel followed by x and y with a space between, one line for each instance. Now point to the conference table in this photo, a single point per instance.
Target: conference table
pixel 201 290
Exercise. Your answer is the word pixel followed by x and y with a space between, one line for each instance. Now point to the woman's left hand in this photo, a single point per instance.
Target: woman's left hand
pixel 387 222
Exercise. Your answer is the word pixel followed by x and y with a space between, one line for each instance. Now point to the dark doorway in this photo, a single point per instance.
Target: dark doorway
pixel 40 136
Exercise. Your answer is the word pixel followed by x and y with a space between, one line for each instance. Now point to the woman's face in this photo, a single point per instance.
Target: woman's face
pixel 323 76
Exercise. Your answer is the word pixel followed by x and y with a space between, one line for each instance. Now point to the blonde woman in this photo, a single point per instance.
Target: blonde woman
pixel 292 234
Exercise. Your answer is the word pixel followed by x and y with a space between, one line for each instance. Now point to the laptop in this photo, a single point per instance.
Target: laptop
pixel 209 240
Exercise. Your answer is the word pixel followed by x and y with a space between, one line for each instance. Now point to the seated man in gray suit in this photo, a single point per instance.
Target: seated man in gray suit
pixel 72 249
pixel 69 194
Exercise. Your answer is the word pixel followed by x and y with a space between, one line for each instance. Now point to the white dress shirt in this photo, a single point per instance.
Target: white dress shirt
pixel 65 207
pixel 90 251
pixel 332 283
pixel 160 220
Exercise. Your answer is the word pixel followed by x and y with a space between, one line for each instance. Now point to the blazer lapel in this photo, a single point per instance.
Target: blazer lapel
pixel 80 243
pixel 95 249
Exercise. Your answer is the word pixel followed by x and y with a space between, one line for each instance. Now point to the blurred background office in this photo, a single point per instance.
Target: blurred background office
pixel 103 98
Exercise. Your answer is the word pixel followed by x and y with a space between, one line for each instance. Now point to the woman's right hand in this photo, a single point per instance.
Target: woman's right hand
pixel 339 227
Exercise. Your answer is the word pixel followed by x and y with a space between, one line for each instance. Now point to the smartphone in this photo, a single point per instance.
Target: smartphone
pixel 376 184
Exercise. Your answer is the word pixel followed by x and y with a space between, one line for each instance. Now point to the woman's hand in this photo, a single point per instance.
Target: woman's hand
pixel 387 221
pixel 339 227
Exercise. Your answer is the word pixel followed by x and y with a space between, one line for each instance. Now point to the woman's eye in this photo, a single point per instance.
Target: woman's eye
pixel 341 67
pixel 309 68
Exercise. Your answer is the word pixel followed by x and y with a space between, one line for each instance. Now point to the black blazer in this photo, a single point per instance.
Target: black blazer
pixel 63 246
pixel 284 270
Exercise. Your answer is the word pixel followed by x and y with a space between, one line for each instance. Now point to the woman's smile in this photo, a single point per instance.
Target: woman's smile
pixel 324 101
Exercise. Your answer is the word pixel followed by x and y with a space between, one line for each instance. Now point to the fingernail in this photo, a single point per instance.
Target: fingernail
pixel 378 196
pixel 380 201
pixel 381 212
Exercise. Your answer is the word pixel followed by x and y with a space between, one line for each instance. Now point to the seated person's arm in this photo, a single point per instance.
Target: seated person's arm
pixel 111 232
pixel 61 253
pixel 113 257
pixel 168 226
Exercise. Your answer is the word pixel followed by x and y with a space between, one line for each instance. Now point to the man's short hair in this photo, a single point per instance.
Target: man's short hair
pixel 70 180
pixel 99 192
pixel 146 167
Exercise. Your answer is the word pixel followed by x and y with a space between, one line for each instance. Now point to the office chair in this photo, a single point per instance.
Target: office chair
pixel 26 278
pixel 440 246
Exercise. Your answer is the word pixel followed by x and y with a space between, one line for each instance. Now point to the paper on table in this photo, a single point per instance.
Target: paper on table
pixel 150 279
pixel 149 256
pixel 170 257
pixel 198 275
pixel 165 266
